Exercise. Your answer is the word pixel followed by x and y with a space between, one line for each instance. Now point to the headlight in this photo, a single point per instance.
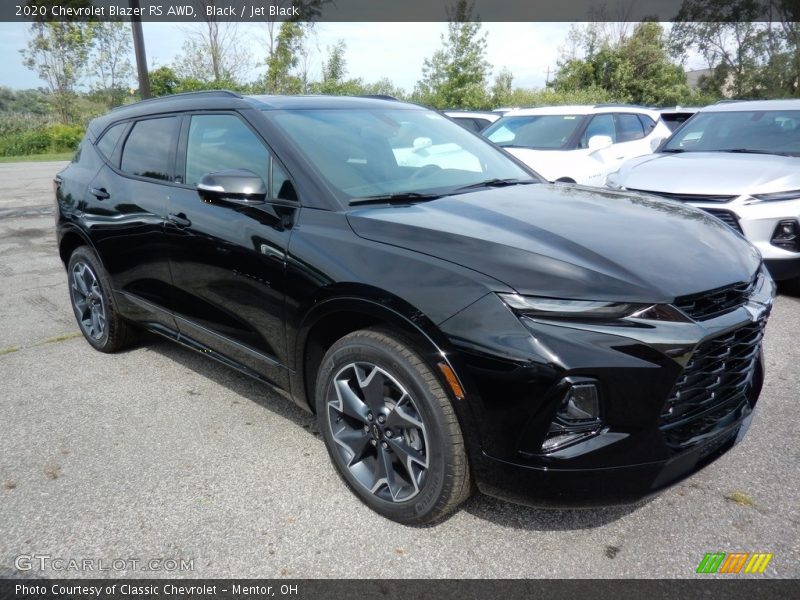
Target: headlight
pixel 777 196
pixel 571 309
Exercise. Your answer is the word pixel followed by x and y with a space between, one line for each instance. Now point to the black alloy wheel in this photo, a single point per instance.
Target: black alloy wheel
pixel 390 428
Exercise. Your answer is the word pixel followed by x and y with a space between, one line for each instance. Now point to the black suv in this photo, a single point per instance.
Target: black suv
pixel 452 320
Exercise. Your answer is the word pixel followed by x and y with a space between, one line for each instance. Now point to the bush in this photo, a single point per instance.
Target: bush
pixel 52 138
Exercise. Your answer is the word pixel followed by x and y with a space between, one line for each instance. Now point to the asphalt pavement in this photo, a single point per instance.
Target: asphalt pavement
pixel 158 453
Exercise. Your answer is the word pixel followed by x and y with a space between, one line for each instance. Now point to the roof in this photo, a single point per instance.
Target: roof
pixel 475 114
pixel 582 109
pixel 753 105
pixel 223 99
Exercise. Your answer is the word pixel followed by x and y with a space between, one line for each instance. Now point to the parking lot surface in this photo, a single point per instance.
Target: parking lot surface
pixel 161 453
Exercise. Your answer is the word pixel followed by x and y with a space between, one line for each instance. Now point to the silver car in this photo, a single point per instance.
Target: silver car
pixel 739 161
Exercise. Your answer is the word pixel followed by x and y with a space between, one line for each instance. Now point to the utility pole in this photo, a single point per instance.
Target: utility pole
pixel 138 48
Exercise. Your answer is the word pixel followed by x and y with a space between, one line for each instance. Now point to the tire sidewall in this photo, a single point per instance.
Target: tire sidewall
pixel 366 349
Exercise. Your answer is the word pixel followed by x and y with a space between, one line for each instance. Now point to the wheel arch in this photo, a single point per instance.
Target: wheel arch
pixel 70 239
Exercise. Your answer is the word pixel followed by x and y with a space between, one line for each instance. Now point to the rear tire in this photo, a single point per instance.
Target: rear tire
pixel 390 429
pixel 93 303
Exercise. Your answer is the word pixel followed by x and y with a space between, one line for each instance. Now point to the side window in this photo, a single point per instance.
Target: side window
pixel 629 128
pixel 110 139
pixel 648 124
pixel 150 147
pixel 600 125
pixel 281 186
pixel 220 142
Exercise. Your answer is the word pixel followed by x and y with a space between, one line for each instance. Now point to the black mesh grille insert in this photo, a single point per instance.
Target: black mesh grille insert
pixel 715 382
pixel 710 304
pixel 726 216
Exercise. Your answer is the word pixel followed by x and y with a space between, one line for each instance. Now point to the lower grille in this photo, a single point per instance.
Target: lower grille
pixel 713 303
pixel 726 216
pixel 716 382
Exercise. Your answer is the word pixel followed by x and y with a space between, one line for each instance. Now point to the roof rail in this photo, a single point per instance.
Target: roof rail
pixel 209 93
pixel 620 105
pixel 379 97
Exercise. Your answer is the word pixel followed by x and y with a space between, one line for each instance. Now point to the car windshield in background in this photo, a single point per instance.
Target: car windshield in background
pixel 545 132
pixel 371 153
pixel 752 131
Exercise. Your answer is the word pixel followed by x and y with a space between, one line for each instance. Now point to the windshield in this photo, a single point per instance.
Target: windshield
pixel 365 153
pixel 546 132
pixel 756 131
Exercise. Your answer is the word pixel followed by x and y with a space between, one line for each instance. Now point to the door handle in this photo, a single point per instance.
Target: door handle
pixel 100 193
pixel 180 220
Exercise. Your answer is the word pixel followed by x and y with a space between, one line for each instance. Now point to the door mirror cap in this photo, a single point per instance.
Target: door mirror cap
pixel 237 186
pixel 599 142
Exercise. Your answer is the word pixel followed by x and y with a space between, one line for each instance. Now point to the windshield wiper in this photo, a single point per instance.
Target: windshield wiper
pixel 674 150
pixel 752 151
pixel 400 198
pixel 492 183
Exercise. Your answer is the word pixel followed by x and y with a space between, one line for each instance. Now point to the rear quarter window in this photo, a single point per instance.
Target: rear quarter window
pixel 109 140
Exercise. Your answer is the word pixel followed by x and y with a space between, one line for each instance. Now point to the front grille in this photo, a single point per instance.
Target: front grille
pixel 716 382
pixel 726 216
pixel 689 197
pixel 707 305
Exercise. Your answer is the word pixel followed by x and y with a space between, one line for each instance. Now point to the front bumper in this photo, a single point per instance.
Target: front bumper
pixel 603 486
pixel 642 446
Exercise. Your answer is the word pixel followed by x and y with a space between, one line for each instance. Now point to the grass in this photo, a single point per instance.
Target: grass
pixel 741 499
pixel 53 156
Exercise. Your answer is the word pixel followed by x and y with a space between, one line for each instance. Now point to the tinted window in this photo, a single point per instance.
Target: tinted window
pixel 149 148
pixel 220 142
pixel 110 138
pixel 282 186
pixel 647 123
pixel 599 125
pixel 629 128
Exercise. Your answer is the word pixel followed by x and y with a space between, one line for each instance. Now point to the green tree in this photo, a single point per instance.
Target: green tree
pixel 281 77
pixel 502 89
pixel 334 74
pixel 637 69
pixel 456 76
pixel 111 61
pixel 58 51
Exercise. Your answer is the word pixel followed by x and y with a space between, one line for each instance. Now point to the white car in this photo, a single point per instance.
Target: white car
pixel 578 144
pixel 739 161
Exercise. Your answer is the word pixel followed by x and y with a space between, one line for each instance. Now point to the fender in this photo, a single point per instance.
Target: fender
pixel 400 316
pixel 66 229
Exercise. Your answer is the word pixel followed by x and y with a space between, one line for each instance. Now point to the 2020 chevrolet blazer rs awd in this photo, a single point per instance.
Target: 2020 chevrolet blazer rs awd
pixel 453 321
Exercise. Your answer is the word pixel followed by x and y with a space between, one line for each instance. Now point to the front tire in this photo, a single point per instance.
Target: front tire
pixel 93 303
pixel 390 428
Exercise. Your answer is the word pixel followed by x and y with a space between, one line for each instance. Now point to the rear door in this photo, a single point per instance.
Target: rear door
pixel 126 212
pixel 227 260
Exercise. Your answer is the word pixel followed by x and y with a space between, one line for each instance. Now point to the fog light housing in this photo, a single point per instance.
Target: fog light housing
pixel 578 415
pixel 787 235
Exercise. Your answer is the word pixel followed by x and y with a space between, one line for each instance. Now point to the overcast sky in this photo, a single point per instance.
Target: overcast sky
pixel 374 50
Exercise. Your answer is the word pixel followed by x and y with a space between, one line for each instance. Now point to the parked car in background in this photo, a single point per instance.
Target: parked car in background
pixel 741 163
pixel 674 117
pixel 578 144
pixel 450 326
pixel 473 120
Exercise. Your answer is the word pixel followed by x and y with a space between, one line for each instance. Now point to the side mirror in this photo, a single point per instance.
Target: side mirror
pixel 599 142
pixel 236 186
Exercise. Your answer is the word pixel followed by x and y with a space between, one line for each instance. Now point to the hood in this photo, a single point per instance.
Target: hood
pixel 713 173
pixel 570 241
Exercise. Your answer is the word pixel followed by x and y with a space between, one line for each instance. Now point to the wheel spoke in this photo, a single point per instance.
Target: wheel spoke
pixel 407 456
pixel 81 304
pixel 380 473
pixel 372 388
pixel 401 417
pixel 95 330
pixel 348 401
pixel 78 277
pixel 354 440
pixel 391 477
